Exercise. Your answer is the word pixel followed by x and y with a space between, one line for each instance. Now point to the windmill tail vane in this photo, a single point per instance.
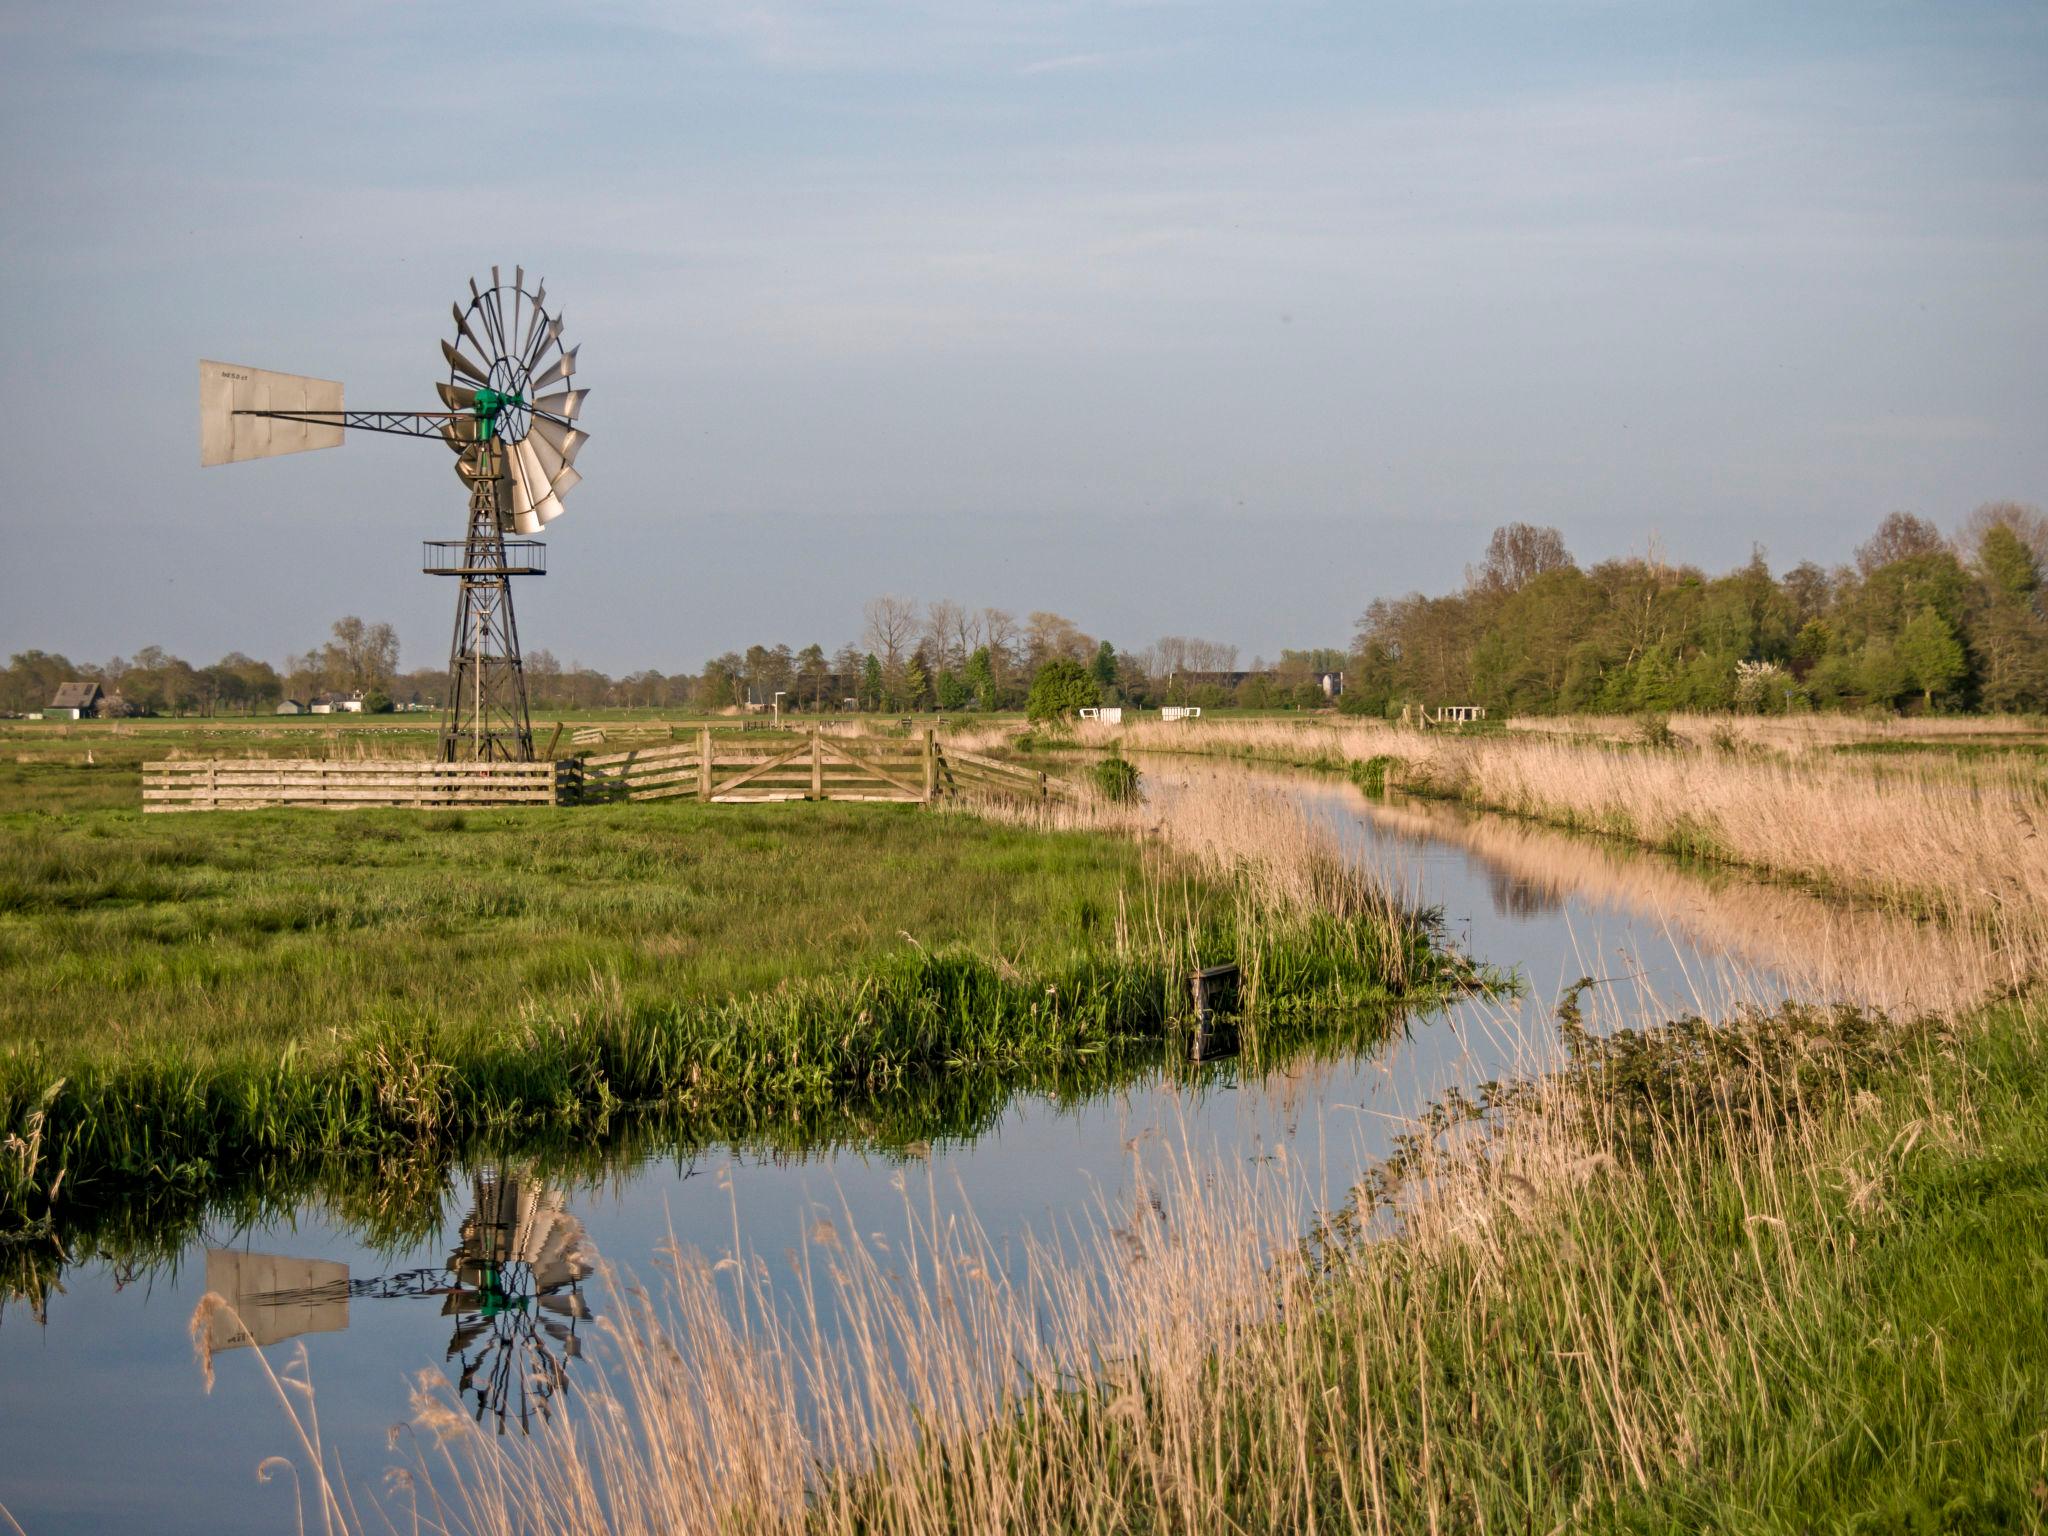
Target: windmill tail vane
pixel 509 411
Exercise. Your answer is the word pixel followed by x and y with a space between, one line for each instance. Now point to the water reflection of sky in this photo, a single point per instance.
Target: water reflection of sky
pixel 103 1419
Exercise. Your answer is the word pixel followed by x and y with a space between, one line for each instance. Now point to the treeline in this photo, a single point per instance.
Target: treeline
pixel 909 656
pixel 1917 622
pixel 357 657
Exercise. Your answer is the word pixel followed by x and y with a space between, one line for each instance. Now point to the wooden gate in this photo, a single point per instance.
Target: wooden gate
pixel 911 771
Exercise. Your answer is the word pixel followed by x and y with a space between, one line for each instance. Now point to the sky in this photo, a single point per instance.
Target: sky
pixel 1173 316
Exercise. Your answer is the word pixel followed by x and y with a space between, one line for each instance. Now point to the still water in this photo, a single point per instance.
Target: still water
pixel 105 1417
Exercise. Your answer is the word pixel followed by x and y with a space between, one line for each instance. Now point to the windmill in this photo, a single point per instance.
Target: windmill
pixel 509 413
pixel 513 1289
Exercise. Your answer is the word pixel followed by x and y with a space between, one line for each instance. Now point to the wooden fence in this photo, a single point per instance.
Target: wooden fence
pixel 250 783
pixel 813 767
pixel 913 770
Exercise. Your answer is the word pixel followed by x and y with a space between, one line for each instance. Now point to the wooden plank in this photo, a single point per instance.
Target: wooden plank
pixel 239 798
pixel 777 762
pixel 873 766
pixel 517 781
pixel 682 751
pixel 347 765
pixel 995 764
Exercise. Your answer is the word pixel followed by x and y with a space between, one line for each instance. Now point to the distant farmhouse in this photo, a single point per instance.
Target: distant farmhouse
pixel 86 701
pixel 74 701
pixel 336 704
pixel 291 706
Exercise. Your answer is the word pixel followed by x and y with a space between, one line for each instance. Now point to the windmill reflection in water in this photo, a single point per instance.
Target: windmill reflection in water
pixel 514 1287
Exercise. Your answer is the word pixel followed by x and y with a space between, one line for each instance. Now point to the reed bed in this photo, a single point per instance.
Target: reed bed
pixel 1820 948
pixel 1797 735
pixel 1774 1273
pixel 1963 847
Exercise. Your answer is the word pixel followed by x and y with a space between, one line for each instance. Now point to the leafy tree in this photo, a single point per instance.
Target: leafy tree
pixel 1061 687
pixel 2011 647
pixel 1932 655
pixel 981 677
pixel 1103 667
pixel 916 683
pixel 871 681
pixel 2010 569
pixel 1881 675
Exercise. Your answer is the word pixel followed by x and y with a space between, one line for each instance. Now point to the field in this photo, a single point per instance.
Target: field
pixel 186 996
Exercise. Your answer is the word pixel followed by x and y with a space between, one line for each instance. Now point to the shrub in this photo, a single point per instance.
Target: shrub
pixel 1061 688
pixel 1115 778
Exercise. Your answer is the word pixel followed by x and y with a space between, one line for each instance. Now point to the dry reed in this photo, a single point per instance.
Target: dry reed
pixel 1963 847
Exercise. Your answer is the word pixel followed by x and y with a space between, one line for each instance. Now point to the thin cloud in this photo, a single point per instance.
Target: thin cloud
pixel 1070 64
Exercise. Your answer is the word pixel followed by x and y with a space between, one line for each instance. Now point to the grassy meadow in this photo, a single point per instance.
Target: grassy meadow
pixel 186 996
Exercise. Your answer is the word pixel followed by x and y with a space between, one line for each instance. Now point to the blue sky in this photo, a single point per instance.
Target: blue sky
pixel 1172 317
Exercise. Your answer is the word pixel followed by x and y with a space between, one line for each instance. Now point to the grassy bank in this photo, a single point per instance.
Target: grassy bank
pixel 185 997
pixel 1778 1273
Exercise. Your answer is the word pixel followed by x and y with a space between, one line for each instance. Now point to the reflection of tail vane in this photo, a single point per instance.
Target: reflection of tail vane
pixel 274 1296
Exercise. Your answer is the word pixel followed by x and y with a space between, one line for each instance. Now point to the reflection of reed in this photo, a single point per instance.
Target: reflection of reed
pixel 1820 948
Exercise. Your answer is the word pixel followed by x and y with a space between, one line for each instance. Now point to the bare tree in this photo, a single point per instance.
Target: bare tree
pixel 1899 537
pixel 2027 523
pixel 1515 555
pixel 1049 635
pixel 360 656
pixel 943 621
pixel 966 636
pixel 999 634
pixel 891 626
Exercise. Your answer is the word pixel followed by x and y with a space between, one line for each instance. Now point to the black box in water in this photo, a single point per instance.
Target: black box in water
pixel 1215 995
pixel 1215 989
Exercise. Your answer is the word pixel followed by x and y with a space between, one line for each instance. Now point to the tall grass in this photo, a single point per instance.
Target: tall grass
pixel 1961 846
pixel 1736 1276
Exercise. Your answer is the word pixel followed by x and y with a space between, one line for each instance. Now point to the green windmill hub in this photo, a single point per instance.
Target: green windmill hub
pixel 489 402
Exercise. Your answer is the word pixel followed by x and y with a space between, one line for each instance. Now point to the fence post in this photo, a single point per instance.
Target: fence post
pixel 931 765
pixel 704 763
pixel 817 767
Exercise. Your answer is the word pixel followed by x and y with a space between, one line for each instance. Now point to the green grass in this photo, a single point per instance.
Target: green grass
pixel 213 992
pixel 269 927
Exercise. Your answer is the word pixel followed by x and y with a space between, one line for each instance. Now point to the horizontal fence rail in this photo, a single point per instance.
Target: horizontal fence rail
pixel 238 784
